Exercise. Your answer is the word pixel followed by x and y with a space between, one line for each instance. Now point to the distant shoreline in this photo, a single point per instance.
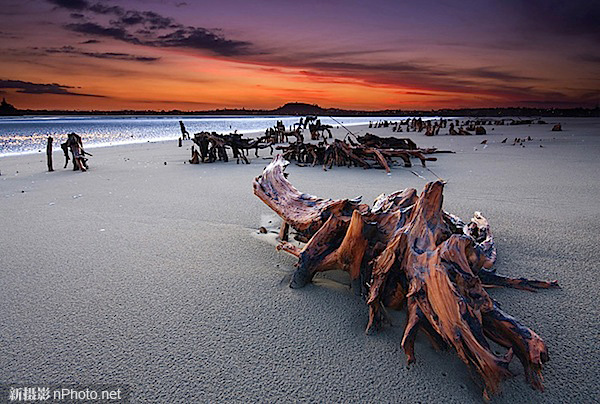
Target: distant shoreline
pixel 300 109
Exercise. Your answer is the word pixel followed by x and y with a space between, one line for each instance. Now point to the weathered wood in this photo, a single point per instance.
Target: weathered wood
pixel 49 153
pixel 284 231
pixel 74 144
pixel 406 251
pixel 317 130
pixel 387 142
pixel 369 151
pixel 65 150
pixel 184 133
pixel 195 156
pixel 304 213
pixel 214 147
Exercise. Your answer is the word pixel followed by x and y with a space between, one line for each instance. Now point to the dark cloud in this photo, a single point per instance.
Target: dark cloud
pixel 132 18
pixel 398 67
pixel 150 19
pixel 347 53
pixel 27 87
pixel 151 29
pixel 100 8
pixel 120 56
pixel 190 37
pixel 91 28
pixel 200 38
pixel 90 41
pixel 487 73
pixel 101 55
pixel 71 4
pixel 77 16
pixel 416 93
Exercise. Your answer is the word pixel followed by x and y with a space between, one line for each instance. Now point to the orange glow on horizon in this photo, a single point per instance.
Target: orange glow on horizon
pixel 191 83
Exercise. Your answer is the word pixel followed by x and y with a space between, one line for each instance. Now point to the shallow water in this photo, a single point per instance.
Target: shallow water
pixel 20 135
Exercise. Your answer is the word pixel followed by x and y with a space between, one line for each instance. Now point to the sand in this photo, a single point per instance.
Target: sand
pixel 153 276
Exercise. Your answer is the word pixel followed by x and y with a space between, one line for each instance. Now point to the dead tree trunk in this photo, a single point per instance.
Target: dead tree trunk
pixel 406 251
pixel 49 153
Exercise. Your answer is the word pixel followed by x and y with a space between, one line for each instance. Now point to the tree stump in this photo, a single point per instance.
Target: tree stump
pixel 407 252
pixel 49 153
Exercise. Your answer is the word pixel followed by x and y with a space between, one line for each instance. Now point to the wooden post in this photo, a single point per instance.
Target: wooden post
pixel 49 153
pixel 179 142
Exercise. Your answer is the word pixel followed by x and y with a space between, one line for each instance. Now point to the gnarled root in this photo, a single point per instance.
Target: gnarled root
pixel 406 251
pixel 304 213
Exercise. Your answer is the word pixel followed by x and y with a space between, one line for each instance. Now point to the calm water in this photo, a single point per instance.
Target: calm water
pixel 29 134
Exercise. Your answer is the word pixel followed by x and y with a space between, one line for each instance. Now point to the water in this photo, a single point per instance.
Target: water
pixel 19 135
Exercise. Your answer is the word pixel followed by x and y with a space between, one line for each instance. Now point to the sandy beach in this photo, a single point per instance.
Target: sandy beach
pixel 150 273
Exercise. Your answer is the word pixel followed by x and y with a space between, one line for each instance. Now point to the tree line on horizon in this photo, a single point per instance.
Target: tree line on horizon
pixel 303 109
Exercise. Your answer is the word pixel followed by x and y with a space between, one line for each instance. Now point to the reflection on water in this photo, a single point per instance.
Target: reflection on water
pixel 29 134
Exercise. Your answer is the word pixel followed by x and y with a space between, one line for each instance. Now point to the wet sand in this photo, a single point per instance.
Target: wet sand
pixel 153 276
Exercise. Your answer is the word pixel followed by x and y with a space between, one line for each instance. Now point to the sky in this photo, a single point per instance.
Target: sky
pixel 260 54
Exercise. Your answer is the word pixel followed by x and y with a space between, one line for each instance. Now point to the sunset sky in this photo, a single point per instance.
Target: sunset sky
pixel 378 54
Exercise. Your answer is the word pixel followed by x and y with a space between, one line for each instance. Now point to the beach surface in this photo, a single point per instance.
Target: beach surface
pixel 150 273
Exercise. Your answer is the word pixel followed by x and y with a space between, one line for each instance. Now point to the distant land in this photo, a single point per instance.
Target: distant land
pixel 303 109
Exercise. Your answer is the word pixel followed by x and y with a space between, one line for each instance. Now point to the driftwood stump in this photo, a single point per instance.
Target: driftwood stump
pixel 49 153
pixel 407 252
pixel 74 144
